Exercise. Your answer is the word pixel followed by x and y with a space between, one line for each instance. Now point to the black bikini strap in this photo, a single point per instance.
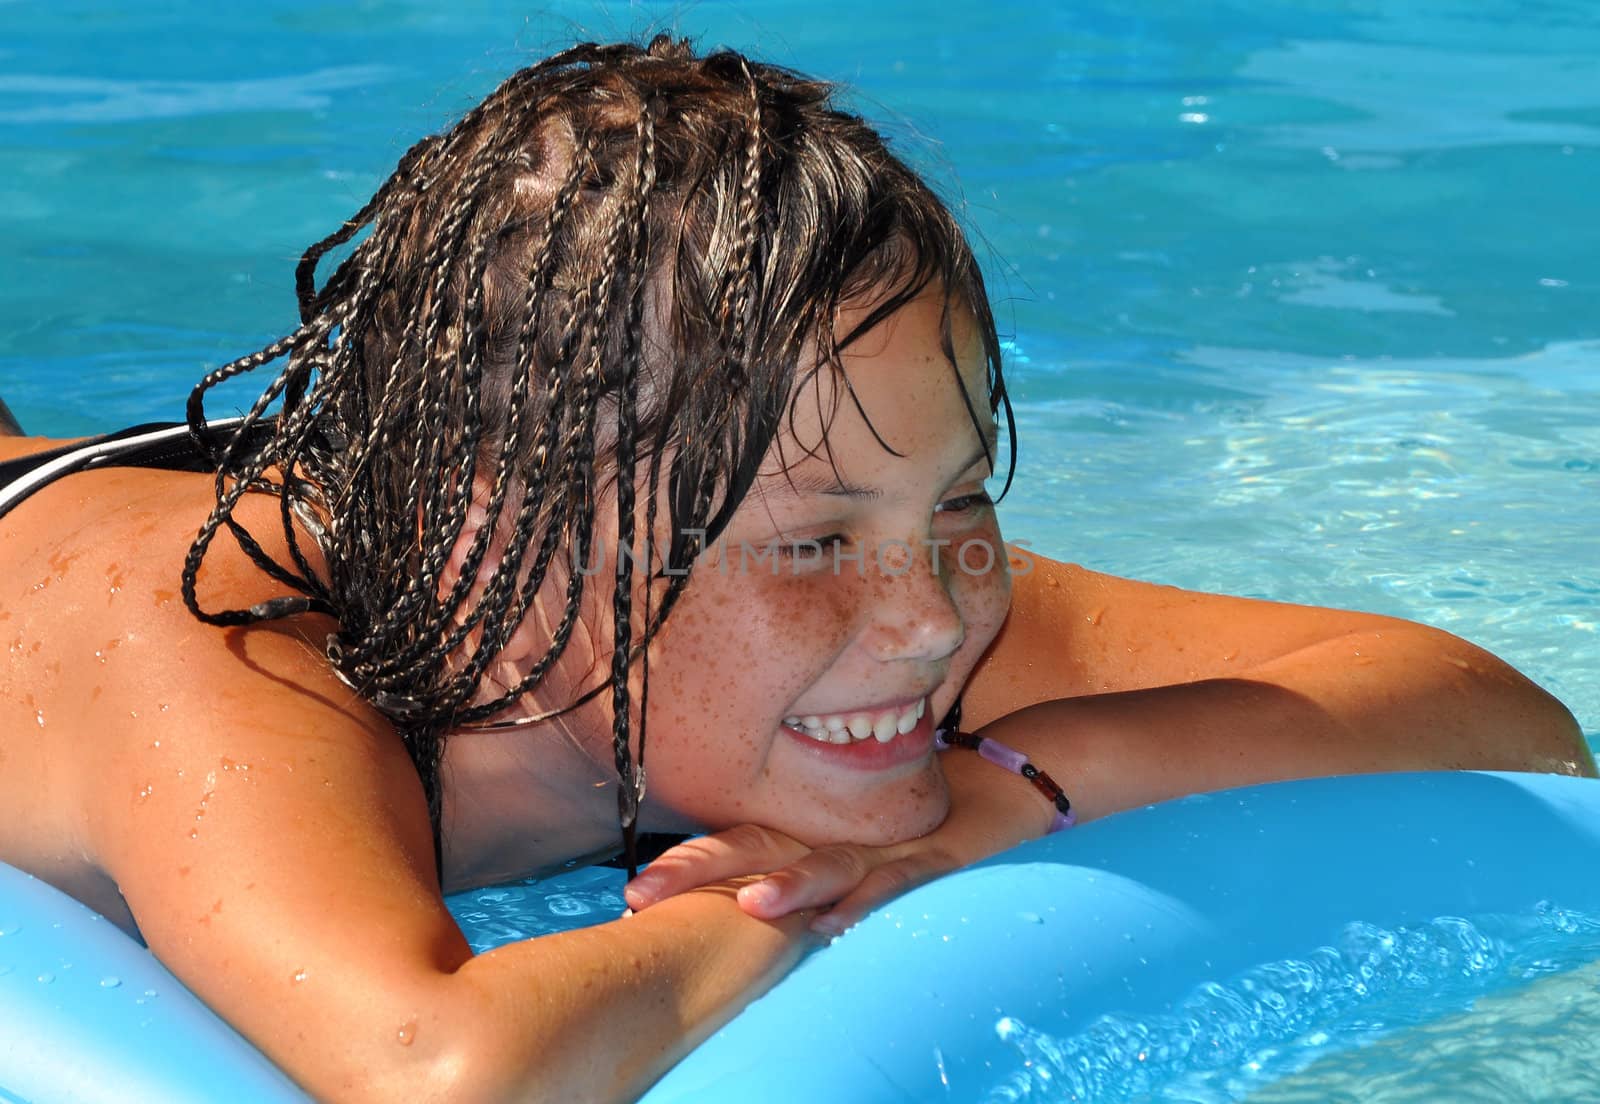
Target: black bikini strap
pixel 165 445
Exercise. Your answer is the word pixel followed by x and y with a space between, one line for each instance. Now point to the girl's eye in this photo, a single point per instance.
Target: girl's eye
pixel 810 546
pixel 965 504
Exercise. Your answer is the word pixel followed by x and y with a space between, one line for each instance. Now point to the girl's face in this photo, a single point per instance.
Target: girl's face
pixel 797 683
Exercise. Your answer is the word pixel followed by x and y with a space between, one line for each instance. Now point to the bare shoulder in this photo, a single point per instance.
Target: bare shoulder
pixel 140 742
pixel 259 821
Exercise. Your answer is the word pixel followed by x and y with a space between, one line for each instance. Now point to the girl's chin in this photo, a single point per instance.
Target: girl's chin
pixel 885 815
pixel 883 828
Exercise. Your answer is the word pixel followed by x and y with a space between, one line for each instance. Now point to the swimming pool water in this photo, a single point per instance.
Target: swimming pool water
pixel 1300 299
pixel 1495 1008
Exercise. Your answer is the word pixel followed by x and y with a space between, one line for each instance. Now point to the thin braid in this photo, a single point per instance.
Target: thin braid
pixel 305 273
pixel 736 306
pixel 195 411
pixel 630 788
pixel 296 426
pixel 365 295
pixel 243 481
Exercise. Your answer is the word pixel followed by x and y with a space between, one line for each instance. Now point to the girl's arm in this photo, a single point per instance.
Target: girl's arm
pixel 1155 692
pixel 271 839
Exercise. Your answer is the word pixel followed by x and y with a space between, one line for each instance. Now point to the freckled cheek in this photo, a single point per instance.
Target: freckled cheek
pixel 798 626
pixel 737 650
pixel 984 599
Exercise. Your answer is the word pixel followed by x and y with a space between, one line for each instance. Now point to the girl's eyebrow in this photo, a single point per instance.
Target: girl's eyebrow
pixel 796 486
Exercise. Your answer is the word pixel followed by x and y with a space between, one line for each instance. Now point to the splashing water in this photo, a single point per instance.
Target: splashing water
pixel 1501 1008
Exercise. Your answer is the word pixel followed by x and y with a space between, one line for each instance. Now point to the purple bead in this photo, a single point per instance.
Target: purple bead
pixel 1002 756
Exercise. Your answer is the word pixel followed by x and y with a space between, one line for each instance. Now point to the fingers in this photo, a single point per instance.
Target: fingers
pixel 815 879
pixel 736 852
pixel 853 880
pixel 837 883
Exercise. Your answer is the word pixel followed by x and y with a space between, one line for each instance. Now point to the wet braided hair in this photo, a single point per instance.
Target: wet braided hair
pixel 626 256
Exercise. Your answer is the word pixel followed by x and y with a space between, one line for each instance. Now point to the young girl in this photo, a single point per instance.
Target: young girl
pixel 626 477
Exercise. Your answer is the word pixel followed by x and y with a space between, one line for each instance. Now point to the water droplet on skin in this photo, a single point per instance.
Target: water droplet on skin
pixel 407 1033
pixel 299 976
pixel 39 716
pixel 144 794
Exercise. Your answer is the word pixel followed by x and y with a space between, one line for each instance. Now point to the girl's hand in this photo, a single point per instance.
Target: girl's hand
pixel 990 811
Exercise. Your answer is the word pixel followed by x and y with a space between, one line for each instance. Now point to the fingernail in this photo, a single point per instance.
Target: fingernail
pixel 828 925
pixel 761 895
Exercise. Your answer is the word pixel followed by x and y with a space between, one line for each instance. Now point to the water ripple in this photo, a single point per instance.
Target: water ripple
pixel 50 99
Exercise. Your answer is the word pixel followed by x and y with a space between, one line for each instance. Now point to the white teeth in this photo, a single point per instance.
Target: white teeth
pixel 842 728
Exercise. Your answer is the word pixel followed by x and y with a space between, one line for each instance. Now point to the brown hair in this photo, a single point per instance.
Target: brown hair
pixel 623 258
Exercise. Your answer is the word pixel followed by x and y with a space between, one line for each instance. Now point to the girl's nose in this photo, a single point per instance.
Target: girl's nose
pixel 910 611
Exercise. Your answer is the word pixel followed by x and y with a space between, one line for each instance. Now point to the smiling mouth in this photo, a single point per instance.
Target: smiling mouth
pixel 882 725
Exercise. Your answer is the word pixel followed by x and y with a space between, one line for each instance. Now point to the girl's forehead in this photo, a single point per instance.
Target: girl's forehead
pixel 894 390
pixel 911 358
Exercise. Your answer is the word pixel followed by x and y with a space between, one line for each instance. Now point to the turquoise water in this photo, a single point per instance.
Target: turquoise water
pixel 1301 301
pixel 1495 1009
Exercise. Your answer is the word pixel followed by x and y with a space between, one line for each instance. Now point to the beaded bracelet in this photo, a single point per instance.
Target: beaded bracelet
pixel 1017 763
pixel 947 734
